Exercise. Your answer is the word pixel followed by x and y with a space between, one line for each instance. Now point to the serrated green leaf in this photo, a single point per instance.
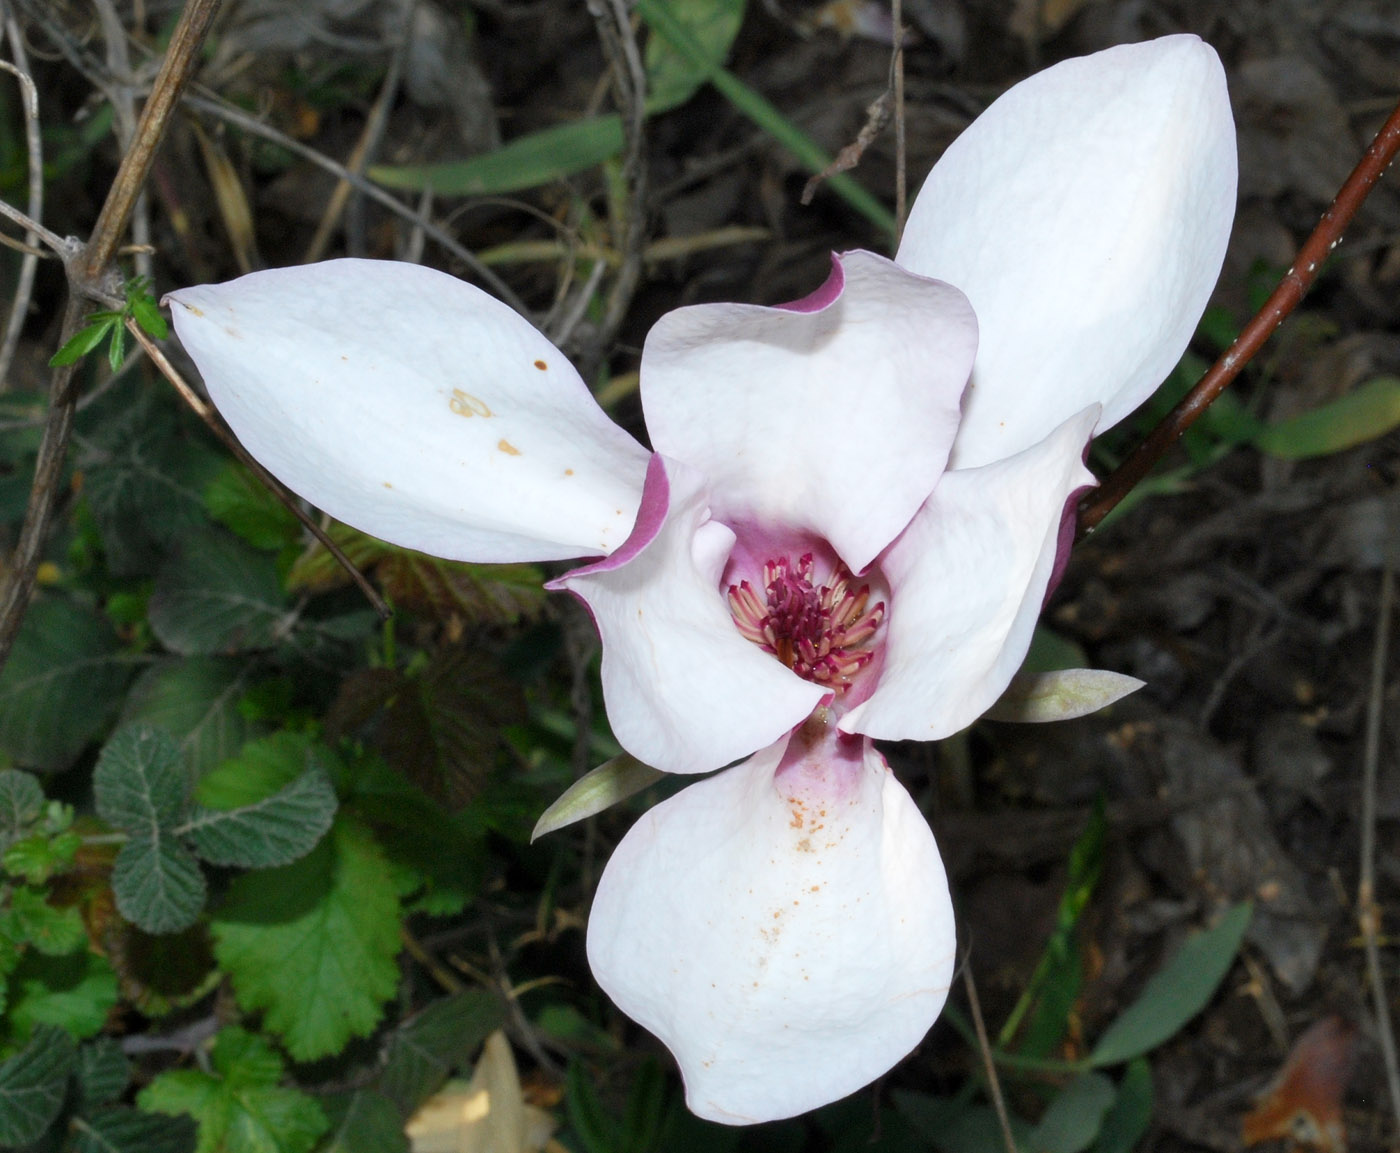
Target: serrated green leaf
pixel 218 596
pixel 1125 1124
pixel 1369 412
pixel 140 783
pixel 84 340
pixel 21 804
pixel 274 831
pixel 1073 1119
pixel 1176 992
pixel 118 1129
pixel 426 1049
pixel 74 992
pixel 103 1071
pixel 157 883
pixel 239 1109
pixel 313 944
pixel 32 1086
pixel 1060 695
pixel 61 686
pixel 672 77
pixel 525 162
pixel 242 503
pixel 196 700
pixel 261 769
pixel 364 1122
pixel 601 788
pixel 53 931
pixel 39 857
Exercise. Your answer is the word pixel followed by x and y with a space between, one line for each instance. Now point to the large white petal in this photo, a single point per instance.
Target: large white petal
pixel 415 407
pixel 831 417
pixel 967 582
pixel 685 693
pixel 1085 214
pixel 787 932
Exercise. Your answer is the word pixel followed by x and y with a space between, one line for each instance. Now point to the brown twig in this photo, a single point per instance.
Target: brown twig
pixel 988 1064
pixel 206 414
pixel 87 269
pixel 24 287
pixel 1367 911
pixel 1284 299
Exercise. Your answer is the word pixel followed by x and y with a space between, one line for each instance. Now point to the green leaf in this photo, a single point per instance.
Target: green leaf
pixel 38 857
pixel 240 1108
pixel 274 831
pixel 74 992
pixel 1369 412
pixel 157 883
pixel 313 944
pixel 118 1129
pixel 103 1071
pixel 261 768
pixel 672 77
pixel 1061 695
pixel 21 804
pixel 116 347
pixel 1125 1124
pixel 140 783
pixel 427 1048
pixel 1177 992
pixel 218 596
pixel 196 700
pixel 61 686
pixel 953 1126
pixel 146 312
pixel 364 1122
pixel 596 1129
pixel 242 503
pixel 525 162
pixel 596 790
pixel 54 932
pixel 85 339
pixel 1074 1117
pixel 32 1086
pixel 641 1121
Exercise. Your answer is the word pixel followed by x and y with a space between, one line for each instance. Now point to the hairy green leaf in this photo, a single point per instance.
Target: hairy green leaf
pixel 242 503
pixel 32 1085
pixel 260 769
pixel 218 596
pixel 364 1122
pixel 118 1129
pixel 21 804
pixel 313 944
pixel 103 1071
pixel 53 931
pixel 1176 992
pixel 276 830
pixel 61 686
pixel 140 783
pixel 157 883
pixel 426 1049
pixel 195 700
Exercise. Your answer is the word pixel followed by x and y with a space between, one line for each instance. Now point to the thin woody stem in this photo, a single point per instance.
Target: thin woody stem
pixel 1284 299
pixel 85 271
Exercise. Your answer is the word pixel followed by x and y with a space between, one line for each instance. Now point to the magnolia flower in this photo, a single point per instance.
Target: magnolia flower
pixel 854 508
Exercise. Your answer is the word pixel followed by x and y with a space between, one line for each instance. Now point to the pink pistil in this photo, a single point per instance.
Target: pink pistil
pixel 821 632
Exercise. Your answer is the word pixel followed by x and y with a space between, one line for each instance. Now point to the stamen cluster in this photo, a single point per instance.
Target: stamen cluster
pixel 821 632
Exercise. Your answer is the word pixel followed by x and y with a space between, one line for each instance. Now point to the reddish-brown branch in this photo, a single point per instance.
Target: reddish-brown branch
pixel 1284 299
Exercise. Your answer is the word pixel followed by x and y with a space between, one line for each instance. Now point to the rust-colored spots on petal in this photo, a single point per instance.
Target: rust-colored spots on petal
pixel 568 472
pixel 506 447
pixel 465 404
pixel 541 365
pixel 192 308
pixel 387 484
pixel 1303 1105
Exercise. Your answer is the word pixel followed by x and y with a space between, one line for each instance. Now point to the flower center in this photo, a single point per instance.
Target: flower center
pixel 821 632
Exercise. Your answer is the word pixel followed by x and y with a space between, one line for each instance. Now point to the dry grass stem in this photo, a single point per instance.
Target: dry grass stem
pixel 34 146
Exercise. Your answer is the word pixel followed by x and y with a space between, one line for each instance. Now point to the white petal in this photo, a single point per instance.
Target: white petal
pixel 789 937
pixel 967 582
pixel 415 407
pixel 1085 214
pixel 685 693
pixel 831 417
